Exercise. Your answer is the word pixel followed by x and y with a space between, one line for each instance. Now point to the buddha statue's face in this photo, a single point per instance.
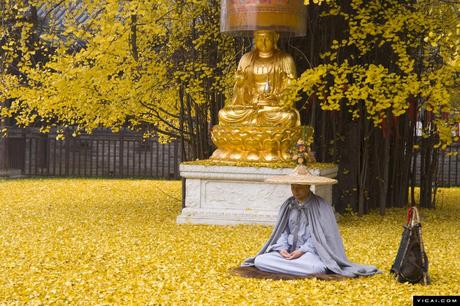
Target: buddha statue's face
pixel 265 40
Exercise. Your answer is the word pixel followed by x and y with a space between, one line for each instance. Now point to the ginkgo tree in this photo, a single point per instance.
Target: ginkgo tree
pixel 383 66
pixel 371 72
pixel 148 66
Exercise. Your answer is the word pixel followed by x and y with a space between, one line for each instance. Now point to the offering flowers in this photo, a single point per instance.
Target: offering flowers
pixel 301 152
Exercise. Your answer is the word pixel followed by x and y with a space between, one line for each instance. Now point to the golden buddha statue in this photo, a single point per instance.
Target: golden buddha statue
pixel 259 122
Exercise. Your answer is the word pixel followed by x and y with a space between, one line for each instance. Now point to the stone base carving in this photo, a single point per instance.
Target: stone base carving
pixel 238 195
pixel 252 143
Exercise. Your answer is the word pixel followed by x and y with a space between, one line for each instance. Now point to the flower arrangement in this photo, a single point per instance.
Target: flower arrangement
pixel 301 152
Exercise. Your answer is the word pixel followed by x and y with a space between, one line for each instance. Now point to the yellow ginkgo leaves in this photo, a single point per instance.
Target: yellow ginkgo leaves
pixel 115 242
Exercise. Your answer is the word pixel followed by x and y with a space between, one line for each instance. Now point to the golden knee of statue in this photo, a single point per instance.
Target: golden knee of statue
pixel 259 123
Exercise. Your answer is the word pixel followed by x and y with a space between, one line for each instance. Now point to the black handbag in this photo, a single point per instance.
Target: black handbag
pixel 411 262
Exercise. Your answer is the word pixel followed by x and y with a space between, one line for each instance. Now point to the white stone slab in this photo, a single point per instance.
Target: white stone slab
pixel 238 195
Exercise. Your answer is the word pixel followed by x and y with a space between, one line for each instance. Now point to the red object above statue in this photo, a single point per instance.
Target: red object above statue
pixel 244 16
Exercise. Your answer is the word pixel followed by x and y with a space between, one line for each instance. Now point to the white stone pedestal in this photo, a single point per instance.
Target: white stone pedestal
pixel 238 195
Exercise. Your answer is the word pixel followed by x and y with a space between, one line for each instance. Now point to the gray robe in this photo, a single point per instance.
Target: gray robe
pixel 326 238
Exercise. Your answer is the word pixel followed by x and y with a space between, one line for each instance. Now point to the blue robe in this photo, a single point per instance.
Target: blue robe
pixel 296 236
pixel 317 234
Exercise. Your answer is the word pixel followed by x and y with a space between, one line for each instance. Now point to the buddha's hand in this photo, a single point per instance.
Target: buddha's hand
pixel 264 99
pixel 285 253
pixel 295 254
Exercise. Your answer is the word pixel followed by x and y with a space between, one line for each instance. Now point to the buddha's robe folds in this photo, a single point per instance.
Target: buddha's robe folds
pixel 258 91
pixel 317 234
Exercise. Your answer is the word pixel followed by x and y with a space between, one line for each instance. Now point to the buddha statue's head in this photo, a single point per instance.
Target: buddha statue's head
pixel 265 41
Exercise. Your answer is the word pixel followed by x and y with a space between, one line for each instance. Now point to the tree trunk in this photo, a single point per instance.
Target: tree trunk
pixel 384 175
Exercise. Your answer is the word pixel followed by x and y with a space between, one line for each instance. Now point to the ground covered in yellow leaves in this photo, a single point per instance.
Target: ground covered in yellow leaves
pixel 90 241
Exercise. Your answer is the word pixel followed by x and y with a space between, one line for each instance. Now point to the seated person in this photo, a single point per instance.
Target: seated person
pixel 306 239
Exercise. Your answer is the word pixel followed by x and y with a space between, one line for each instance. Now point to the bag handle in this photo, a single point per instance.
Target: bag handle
pixel 409 215
pixel 413 216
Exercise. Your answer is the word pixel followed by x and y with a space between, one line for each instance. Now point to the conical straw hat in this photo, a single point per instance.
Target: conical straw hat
pixel 301 176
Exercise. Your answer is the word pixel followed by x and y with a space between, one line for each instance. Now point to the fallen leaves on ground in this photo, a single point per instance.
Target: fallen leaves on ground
pixel 94 241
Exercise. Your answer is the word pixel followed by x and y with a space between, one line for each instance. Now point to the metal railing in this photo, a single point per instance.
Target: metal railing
pixel 101 154
pixel 127 154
